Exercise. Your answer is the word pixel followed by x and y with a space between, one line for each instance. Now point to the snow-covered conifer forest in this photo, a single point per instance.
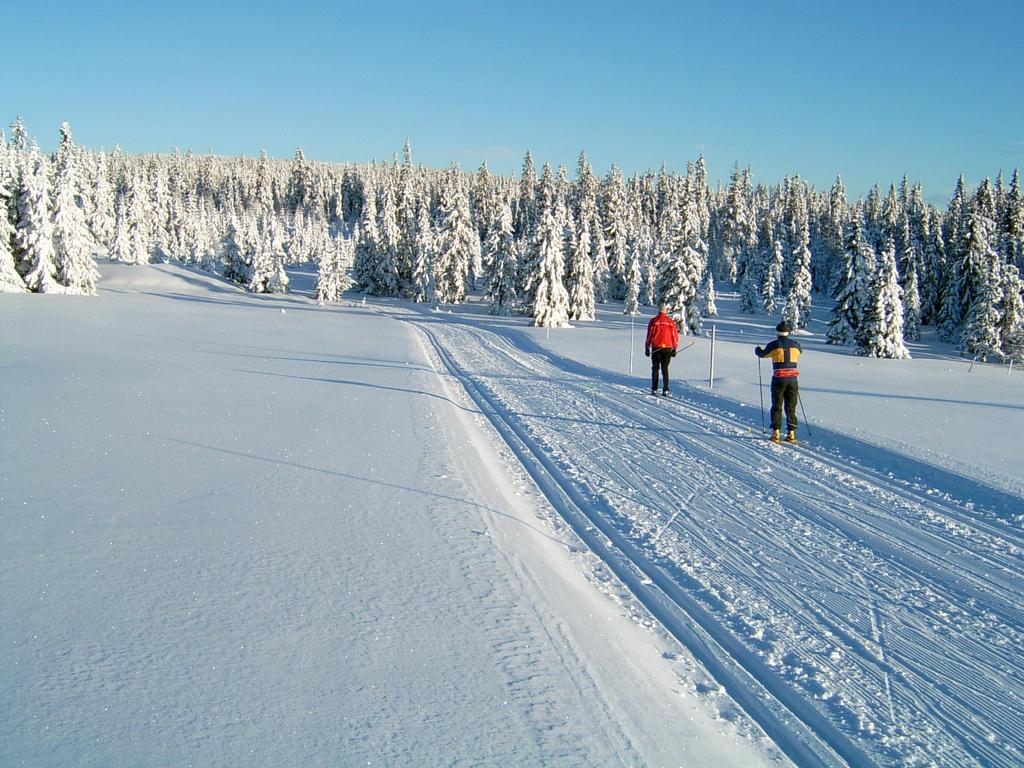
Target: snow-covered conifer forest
pixel 540 244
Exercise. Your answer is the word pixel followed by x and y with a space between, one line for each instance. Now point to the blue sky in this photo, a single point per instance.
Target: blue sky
pixel 870 90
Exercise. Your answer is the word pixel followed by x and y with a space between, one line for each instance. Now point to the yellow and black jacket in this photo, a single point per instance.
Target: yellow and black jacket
pixel 785 354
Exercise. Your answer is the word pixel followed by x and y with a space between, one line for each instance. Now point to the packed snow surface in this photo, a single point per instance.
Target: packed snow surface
pixel 381 534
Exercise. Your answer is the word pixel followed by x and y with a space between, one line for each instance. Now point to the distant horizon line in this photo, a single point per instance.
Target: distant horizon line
pixel 933 199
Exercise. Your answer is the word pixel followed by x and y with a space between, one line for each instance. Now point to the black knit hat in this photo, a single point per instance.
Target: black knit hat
pixel 782 327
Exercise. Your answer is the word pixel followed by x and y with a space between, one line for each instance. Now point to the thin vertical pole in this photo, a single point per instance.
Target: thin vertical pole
pixel 711 375
pixel 632 323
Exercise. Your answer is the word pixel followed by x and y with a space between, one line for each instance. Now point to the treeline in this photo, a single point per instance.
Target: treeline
pixel 540 244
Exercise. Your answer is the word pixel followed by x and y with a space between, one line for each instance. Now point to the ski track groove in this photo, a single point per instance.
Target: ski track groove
pixel 767 550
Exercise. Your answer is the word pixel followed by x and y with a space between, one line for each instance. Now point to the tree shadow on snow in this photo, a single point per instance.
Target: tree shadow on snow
pixel 369 480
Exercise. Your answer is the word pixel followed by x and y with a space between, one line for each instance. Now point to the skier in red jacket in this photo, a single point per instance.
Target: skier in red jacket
pixel 661 345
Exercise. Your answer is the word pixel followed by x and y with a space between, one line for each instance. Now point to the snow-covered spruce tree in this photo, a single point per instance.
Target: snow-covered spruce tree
pixel 584 199
pixel 332 276
pixel 614 209
pixel 19 135
pixel 166 243
pixel 882 331
pixel 706 297
pixel 772 275
pixel 602 271
pixel 681 269
pixel 585 207
pixel 101 222
pixel 983 287
pixel 131 244
pixel 365 269
pixel 797 308
pixel 202 251
pixel 1011 325
pixel 456 240
pixel 407 198
pixel 300 182
pixel 550 304
pixel 1012 225
pixel 973 277
pixel 647 250
pixel 736 226
pixel 950 315
pixel 424 247
pixel 76 268
pixel 10 280
pixel 525 220
pixel 298 246
pixel 500 253
pixel 482 207
pixel 120 244
pixel 529 251
pixel 852 286
pixel 834 238
pixel 930 260
pixel 580 275
pixel 755 265
pixel 385 276
pixel 889 224
pixel 911 306
pixel 268 275
pixel 631 303
pixel 237 256
pixel 750 286
pixel 698 192
pixel 33 236
pixel 263 188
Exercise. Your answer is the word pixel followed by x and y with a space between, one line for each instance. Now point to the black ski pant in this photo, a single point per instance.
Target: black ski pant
pixel 785 392
pixel 660 358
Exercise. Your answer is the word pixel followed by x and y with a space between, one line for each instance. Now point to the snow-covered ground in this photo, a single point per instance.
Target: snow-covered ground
pixel 245 530
pixel 250 530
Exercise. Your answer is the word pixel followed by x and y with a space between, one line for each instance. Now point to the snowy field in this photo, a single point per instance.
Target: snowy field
pixel 247 530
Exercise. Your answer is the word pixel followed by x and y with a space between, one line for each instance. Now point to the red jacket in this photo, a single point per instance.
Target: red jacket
pixel 662 333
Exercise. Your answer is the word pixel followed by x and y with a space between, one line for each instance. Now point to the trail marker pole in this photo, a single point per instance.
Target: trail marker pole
pixel 632 324
pixel 711 374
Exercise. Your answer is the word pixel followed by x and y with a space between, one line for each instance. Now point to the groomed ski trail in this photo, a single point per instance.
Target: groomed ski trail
pixel 858 619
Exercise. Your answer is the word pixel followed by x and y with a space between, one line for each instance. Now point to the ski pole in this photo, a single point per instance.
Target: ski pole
pixel 760 389
pixel 804 412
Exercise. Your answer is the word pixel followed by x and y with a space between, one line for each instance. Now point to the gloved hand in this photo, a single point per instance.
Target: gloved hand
pixel 758 350
pixel 674 352
pixel 647 353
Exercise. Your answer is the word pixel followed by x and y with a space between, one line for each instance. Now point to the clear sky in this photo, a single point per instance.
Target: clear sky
pixel 871 90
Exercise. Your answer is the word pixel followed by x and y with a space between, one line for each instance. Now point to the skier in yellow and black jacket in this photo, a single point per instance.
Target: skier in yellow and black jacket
pixel 785 354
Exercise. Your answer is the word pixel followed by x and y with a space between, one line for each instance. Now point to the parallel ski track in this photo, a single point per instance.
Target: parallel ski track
pixel 799 731
pixel 854 515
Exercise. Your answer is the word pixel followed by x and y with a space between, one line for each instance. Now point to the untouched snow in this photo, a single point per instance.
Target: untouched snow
pixel 244 529
pixel 247 530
